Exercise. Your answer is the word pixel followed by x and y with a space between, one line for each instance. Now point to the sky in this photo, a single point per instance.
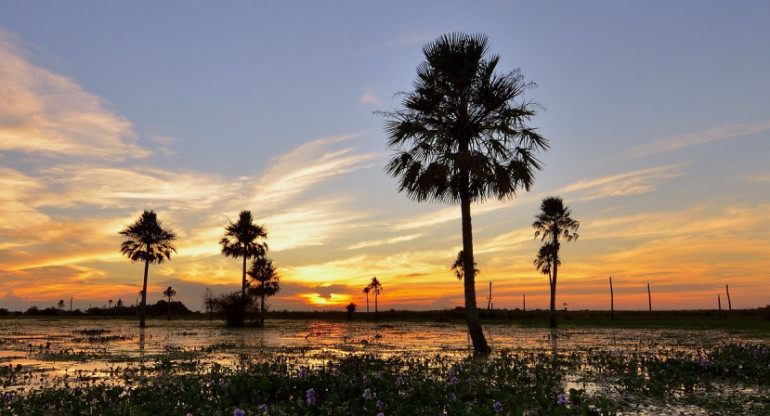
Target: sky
pixel 657 112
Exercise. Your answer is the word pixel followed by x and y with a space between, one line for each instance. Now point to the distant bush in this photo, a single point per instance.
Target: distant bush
pixel 230 307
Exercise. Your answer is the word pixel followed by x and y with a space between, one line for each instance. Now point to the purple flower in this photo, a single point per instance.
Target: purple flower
pixel 165 389
pixel 454 380
pixel 452 397
pixel 310 396
pixel 562 399
pixel 336 372
pixel 497 406
pixel 238 412
pixel 367 380
pixel 380 414
pixel 451 372
pixel 7 396
pixel 189 414
pixel 263 408
pixel 367 394
pixel 303 373
pixel 380 404
pixel 400 381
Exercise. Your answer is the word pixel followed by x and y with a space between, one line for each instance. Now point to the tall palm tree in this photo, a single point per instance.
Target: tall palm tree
pixel 462 137
pixel 169 293
pixel 146 240
pixel 265 278
pixel 240 240
pixel 366 291
pixel 552 223
pixel 376 287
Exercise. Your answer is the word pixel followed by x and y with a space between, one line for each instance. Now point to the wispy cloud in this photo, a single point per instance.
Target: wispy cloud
pixel 756 177
pixel 368 97
pixel 385 241
pixel 629 183
pixel 49 114
pixel 679 142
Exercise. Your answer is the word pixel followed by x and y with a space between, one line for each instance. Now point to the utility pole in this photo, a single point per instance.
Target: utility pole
pixel 729 304
pixel 649 298
pixel 524 300
pixel 719 302
pixel 489 299
pixel 612 301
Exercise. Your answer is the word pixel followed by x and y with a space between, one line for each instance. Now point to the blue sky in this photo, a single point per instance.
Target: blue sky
pixel 657 112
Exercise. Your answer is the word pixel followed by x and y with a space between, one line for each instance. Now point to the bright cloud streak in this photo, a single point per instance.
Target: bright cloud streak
pixel 731 131
pixel 49 114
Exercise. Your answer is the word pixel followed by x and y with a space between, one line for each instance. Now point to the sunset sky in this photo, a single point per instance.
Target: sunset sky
pixel 658 115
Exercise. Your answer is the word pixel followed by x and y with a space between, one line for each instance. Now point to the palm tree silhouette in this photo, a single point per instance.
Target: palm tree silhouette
pixel 552 223
pixel 376 287
pixel 265 277
pixel 146 240
pixel 240 240
pixel 459 267
pixel 461 137
pixel 367 289
pixel 169 293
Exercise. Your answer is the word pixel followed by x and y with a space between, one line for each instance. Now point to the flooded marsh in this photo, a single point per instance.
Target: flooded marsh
pixel 114 367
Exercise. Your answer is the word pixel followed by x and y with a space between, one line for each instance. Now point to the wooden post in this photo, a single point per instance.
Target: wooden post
pixel 612 301
pixel 649 298
pixel 719 302
pixel 729 304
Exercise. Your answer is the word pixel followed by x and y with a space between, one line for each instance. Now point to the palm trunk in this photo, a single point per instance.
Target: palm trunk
pixel 553 295
pixel 367 306
pixel 376 312
pixel 169 308
pixel 143 307
pixel 243 288
pixel 469 278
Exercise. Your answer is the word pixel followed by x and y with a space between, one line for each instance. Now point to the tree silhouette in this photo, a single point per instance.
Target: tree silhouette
pixel 351 309
pixel 240 240
pixel 146 240
pixel 366 291
pixel 265 279
pixel 60 305
pixel 461 137
pixel 376 287
pixel 209 302
pixel 169 293
pixel 552 223
pixel 459 267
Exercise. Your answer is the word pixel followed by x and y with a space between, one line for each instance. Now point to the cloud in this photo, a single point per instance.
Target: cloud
pixel 679 142
pixel 368 97
pixel 629 183
pixel 756 177
pixel 386 241
pixel 49 114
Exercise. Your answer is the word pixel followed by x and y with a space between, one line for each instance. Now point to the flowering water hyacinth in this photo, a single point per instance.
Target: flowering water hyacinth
pixel 380 404
pixel 310 396
pixel 367 394
pixel 238 412
pixel 454 380
pixel 562 401
pixel 303 373
pixel 400 381
pixel 497 406
pixel 262 408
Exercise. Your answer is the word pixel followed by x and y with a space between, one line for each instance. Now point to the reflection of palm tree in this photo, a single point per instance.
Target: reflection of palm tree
pixel 240 240
pixel 148 241
pixel 462 137
pixel 552 223
pixel 376 287
pixel 367 289
pixel 169 293
pixel 265 276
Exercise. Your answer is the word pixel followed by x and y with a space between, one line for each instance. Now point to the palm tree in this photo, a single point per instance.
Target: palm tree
pixel 169 293
pixel 265 277
pixel 240 240
pixel 462 137
pixel 552 223
pixel 376 287
pixel 146 240
pixel 459 267
pixel 367 289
